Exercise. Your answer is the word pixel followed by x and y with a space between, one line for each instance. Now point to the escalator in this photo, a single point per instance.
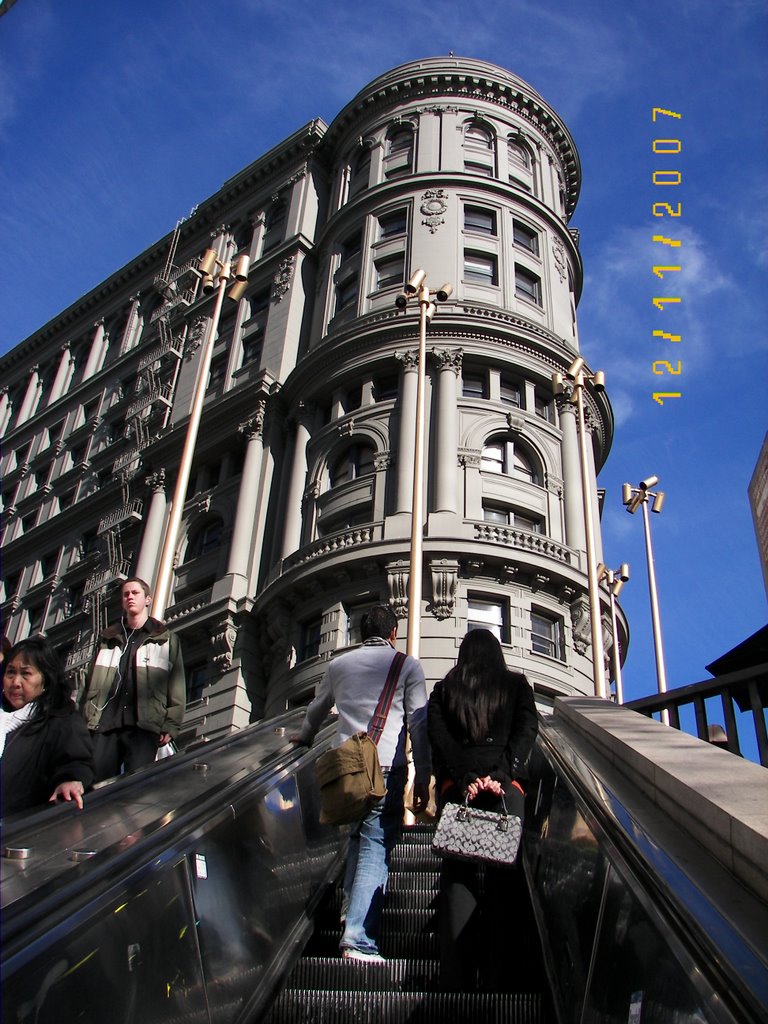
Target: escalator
pixel 204 889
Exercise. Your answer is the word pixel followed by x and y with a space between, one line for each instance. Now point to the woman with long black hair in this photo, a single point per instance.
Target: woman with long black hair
pixel 45 750
pixel 482 723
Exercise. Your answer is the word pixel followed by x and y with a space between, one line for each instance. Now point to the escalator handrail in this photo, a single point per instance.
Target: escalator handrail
pixel 52 903
pixel 739 973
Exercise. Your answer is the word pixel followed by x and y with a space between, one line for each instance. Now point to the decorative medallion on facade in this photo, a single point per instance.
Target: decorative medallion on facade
pixel 195 336
pixel 581 623
pixel 433 206
pixel 282 279
pixel 558 254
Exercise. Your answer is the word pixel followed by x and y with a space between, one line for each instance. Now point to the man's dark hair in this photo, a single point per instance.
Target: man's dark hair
pixel 137 579
pixel 378 621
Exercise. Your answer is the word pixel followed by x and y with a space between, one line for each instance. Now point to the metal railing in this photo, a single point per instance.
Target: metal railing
pixel 745 690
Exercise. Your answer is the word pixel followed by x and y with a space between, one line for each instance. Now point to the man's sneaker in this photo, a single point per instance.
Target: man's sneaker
pixel 362 957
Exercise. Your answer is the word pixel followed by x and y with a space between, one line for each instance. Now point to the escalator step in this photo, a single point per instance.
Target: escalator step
pixel 406 944
pixel 409 975
pixel 335 1007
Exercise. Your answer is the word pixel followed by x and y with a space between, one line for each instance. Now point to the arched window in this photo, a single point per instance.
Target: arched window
pixel 521 164
pixel 359 171
pixel 502 454
pixel 479 150
pixel 398 159
pixel 356 461
pixel 206 538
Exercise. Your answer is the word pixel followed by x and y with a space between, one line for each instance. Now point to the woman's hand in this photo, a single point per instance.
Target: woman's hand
pixel 68 791
pixel 486 783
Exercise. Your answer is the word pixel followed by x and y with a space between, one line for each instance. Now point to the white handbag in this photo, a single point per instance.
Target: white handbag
pixel 471 834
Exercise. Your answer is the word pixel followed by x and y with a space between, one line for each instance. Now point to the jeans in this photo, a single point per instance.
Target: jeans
pixel 367 868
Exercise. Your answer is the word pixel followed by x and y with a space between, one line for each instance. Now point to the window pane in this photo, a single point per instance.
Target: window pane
pixel 545 635
pixel 491 514
pixel 473 385
pixel 486 615
pixel 390 271
pixel 477 137
pixel 525 238
pixel 519 154
pixel 481 169
pixel 509 393
pixel 310 641
pixel 493 458
pixel 479 220
pixel 392 224
pixel 346 293
pixel 527 285
pixel 480 267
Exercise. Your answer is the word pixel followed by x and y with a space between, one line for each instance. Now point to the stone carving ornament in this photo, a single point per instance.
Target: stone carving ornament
pixel 434 203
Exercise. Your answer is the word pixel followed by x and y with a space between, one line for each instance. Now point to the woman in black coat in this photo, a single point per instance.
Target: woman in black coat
pixel 482 723
pixel 46 750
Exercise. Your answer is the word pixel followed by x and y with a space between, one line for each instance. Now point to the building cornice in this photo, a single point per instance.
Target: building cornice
pixel 459 79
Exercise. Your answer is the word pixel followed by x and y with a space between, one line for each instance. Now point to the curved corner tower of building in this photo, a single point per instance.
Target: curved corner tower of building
pixel 461 169
pixel 297 516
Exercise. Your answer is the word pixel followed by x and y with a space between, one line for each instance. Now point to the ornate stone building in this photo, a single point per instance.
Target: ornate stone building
pixel 298 510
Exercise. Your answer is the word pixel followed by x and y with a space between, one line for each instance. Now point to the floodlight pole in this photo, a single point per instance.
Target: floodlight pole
pixel 162 588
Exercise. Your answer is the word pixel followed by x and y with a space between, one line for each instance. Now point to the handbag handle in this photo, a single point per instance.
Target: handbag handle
pixel 464 813
pixel 379 717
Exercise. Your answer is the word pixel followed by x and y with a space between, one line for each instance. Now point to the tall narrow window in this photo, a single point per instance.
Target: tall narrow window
pixel 474 385
pixel 525 238
pixel 275 227
pixel 547 635
pixel 359 172
pixel 310 640
pixel 399 153
pixel 348 274
pixel 479 154
pixel 510 393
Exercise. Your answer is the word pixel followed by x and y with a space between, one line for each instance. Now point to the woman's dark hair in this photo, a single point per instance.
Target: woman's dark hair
pixel 6 647
pixel 39 652
pixel 479 685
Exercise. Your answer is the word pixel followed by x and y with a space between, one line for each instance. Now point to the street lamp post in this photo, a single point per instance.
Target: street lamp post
pixel 216 275
pixel 573 385
pixel 634 498
pixel 417 287
pixel 615 580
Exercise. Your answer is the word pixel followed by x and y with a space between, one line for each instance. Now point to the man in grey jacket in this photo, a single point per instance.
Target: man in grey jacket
pixel 353 682
pixel 136 693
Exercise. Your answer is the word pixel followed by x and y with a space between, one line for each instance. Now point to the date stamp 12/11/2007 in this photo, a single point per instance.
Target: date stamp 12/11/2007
pixel 667 265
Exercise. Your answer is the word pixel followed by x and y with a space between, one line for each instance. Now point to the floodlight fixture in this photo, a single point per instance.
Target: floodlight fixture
pixel 416 281
pixel 444 292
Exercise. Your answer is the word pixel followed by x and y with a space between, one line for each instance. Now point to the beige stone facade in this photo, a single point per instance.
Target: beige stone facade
pixel 298 512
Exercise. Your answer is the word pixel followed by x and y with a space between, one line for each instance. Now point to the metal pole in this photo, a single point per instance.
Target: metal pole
pixel 417 504
pixel 661 674
pixel 598 662
pixel 162 588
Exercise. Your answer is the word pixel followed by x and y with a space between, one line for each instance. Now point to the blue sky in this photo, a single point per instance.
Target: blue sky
pixel 116 119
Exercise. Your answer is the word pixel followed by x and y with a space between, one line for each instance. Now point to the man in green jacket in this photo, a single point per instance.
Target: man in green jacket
pixel 135 697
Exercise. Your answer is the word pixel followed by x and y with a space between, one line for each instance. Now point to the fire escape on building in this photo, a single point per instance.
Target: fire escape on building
pixel 147 416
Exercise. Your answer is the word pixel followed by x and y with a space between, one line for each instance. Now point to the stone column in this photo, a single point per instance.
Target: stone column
pixel 98 348
pixel 31 396
pixel 407 434
pixel 62 374
pixel 447 432
pixel 247 512
pixel 152 539
pixel 296 485
pixel 575 535
pixel 131 325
